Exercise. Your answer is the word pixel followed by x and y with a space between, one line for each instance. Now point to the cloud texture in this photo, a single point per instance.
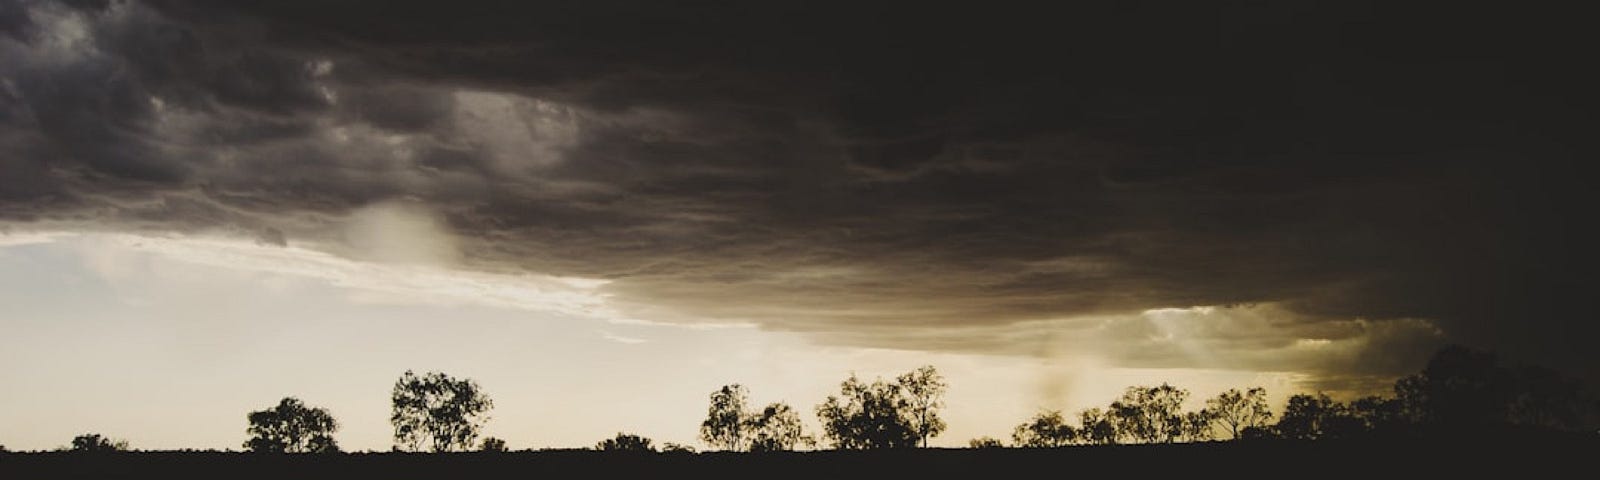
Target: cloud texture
pixel 925 178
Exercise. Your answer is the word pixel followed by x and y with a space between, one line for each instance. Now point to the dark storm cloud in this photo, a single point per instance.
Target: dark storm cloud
pixel 870 174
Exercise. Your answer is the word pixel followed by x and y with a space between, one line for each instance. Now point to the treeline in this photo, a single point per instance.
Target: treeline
pixel 1461 391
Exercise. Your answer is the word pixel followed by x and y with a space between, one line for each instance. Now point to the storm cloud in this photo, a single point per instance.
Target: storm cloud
pixel 1358 177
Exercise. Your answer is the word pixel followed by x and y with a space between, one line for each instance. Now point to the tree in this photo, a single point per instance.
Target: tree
pixel 1375 413
pixel 1237 410
pixel 670 447
pixel 625 442
pixel 1196 426
pixel 491 444
pixel 985 442
pixel 725 418
pixel 95 443
pixel 1045 430
pixel 1149 414
pixel 1308 417
pixel 775 428
pixel 437 411
pixel 1096 427
pixel 291 427
pixel 867 416
pixel 1462 387
pixel 924 391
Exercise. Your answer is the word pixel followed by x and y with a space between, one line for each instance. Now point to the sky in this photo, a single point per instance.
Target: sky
pixel 602 212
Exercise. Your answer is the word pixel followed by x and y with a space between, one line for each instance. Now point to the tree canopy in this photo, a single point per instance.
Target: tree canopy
pixel 1045 430
pixel 883 414
pixel 96 443
pixel 726 418
pixel 437 412
pixel 1236 410
pixel 775 428
pixel 625 442
pixel 291 427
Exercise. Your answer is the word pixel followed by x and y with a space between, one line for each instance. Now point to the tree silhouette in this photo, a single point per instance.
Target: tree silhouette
pixel 95 443
pixel 291 427
pixel 985 442
pixel 1096 427
pixel 491 444
pixel 775 428
pixel 437 411
pixel 670 447
pixel 1045 430
pixel 1375 413
pixel 1196 426
pixel 1149 414
pixel 726 418
pixel 867 416
pixel 924 391
pixel 1462 387
pixel 1309 417
pixel 625 442
pixel 1237 410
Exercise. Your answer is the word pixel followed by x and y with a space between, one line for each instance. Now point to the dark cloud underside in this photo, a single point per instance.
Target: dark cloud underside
pixel 849 168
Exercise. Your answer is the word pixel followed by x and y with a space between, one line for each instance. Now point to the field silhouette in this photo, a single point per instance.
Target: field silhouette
pixel 1503 454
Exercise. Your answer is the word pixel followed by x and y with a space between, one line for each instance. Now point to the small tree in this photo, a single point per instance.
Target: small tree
pixel 95 443
pixel 670 447
pixel 775 428
pixel 291 427
pixel 985 442
pixel 437 411
pixel 924 395
pixel 491 444
pixel 625 442
pixel 1237 410
pixel 1045 430
pixel 726 418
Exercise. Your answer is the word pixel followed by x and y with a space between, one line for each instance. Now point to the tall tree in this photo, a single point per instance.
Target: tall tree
pixel 291 427
pixel 867 416
pixel 1045 430
pixel 1237 410
pixel 437 411
pixel 775 428
pixel 96 443
pixel 1149 414
pixel 724 426
pixel 924 395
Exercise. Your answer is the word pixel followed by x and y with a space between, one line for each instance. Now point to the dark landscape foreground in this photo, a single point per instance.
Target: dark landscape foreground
pixel 1548 457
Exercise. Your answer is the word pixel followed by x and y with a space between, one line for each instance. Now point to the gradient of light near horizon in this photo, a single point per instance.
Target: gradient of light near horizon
pixel 168 342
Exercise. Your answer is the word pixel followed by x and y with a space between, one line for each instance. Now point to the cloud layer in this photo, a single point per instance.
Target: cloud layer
pixel 930 179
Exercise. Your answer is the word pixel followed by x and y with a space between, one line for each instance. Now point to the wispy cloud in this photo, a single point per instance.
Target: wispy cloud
pixel 621 339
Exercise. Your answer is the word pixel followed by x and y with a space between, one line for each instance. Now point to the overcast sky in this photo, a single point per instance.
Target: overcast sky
pixel 605 210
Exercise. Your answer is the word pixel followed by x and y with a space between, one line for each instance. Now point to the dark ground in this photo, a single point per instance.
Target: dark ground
pixel 1573 457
